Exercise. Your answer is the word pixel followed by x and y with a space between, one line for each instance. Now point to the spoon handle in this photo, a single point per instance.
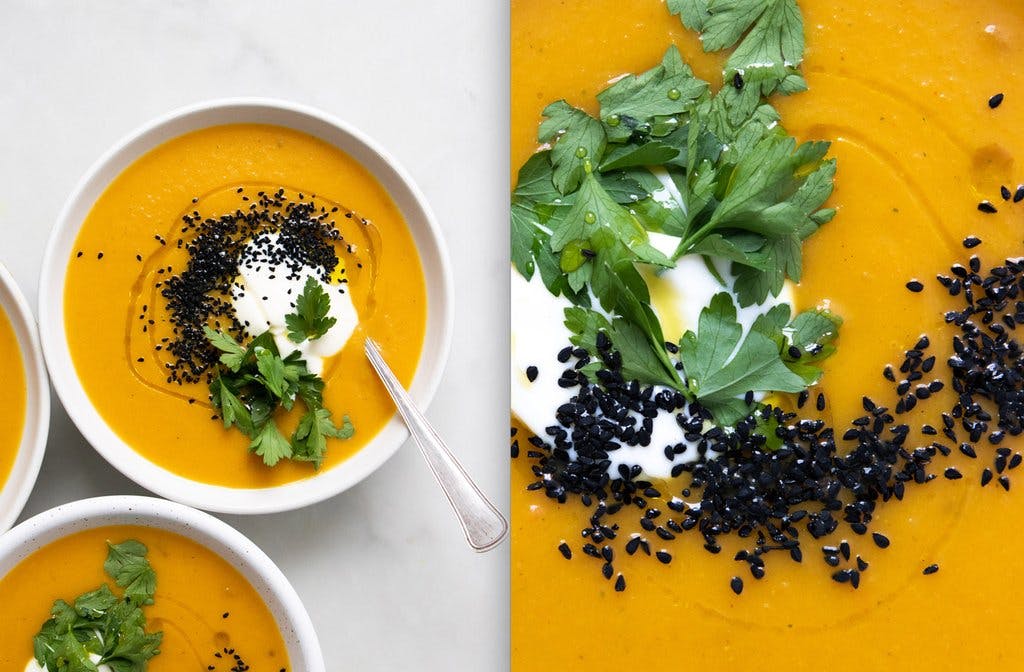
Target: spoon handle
pixel 483 524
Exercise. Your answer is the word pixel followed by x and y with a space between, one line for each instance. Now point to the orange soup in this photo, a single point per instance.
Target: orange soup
pixel 901 90
pixel 202 604
pixel 118 320
pixel 13 393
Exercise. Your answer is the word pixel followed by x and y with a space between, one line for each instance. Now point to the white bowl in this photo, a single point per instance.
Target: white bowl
pixel 418 217
pixel 15 490
pixel 227 542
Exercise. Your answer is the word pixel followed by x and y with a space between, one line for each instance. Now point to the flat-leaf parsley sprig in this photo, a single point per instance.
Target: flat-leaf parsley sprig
pixel 253 381
pixel 103 624
pixel 666 155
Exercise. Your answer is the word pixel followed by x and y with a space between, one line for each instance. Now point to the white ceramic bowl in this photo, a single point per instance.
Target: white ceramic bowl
pixel 419 219
pixel 15 490
pixel 227 542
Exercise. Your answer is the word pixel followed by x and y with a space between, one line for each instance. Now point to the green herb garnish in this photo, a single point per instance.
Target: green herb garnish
pixel 310 321
pixel 101 623
pixel 723 363
pixel 714 171
pixel 768 36
pixel 254 380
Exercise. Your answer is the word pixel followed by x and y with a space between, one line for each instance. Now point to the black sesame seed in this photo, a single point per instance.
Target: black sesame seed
pixel 620 584
pixel 930 569
pixel 880 540
pixel 664 556
pixel 952 474
pixel 564 549
pixel 987 208
pixel 736 584
pixel 995 101
pixel 531 373
pixel 1005 192
pixel 915 286
pixel 971 242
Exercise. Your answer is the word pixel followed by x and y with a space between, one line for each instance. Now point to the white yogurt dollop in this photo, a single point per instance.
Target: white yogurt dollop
pixel 678 295
pixel 265 292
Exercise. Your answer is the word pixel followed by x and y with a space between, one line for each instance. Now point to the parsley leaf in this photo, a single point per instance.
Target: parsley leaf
pixel 814 333
pixel 270 444
pixel 634 102
pixel 576 138
pixel 310 321
pixel 721 364
pixel 768 36
pixel 249 394
pixel 310 438
pixel 233 352
pixel 641 360
pixel 101 624
pixel 127 565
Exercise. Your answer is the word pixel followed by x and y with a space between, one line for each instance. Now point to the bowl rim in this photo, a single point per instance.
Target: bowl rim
pixel 44 528
pixel 24 471
pixel 200 494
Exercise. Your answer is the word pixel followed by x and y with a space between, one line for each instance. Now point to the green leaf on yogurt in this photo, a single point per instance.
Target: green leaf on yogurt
pixel 722 364
pixel 310 320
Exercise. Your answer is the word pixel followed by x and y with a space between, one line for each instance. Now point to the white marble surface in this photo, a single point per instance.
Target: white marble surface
pixel 383 569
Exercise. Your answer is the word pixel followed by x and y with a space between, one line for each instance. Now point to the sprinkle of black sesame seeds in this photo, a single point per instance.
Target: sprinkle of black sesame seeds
pixel 216 246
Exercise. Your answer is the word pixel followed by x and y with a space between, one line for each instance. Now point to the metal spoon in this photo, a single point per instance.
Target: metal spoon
pixel 483 524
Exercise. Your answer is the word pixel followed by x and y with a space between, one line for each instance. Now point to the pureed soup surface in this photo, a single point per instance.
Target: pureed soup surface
pixel 105 298
pixel 195 588
pixel 900 88
pixel 13 394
